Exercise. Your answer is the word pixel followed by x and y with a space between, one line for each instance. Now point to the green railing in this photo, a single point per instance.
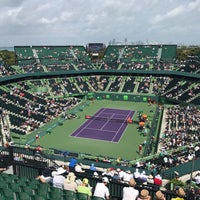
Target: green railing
pixel 46 75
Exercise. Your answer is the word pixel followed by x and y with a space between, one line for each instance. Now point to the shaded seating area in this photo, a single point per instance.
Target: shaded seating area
pixel 28 112
pixel 27 168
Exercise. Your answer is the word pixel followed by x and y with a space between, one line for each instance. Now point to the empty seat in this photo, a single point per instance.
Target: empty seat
pixel 82 196
pixel 37 197
pixel 8 193
pixel 42 191
pixel 69 195
pixel 22 196
pixel 14 187
pixel 55 193
pixel 27 190
pixel 97 198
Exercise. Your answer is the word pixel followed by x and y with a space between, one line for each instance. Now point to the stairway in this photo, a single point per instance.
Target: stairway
pixel 36 55
pixel 159 54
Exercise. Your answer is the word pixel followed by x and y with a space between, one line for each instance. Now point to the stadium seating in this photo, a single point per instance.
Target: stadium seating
pixel 25 181
pixel 24 55
pixel 54 58
pixel 34 97
pixel 97 198
pixel 67 194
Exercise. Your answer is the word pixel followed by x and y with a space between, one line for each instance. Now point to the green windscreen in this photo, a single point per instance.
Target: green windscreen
pixel 144 99
pixel 107 96
pixel 125 97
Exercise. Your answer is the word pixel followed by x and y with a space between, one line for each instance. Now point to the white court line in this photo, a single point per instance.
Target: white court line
pixel 116 114
pixel 109 119
pixel 121 127
pixel 87 124
pixel 100 130
pixel 107 122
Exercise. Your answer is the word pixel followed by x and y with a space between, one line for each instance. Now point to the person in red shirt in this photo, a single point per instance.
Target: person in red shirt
pixel 37 138
pixel 158 180
pixel 140 149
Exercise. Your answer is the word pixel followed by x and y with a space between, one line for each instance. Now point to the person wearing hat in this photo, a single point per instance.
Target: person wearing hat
pixel 101 189
pixel 59 178
pixel 69 183
pixel 159 195
pixel 95 175
pixel 144 195
pixel 85 187
pixel 197 179
pixel 180 194
pixel 130 193
pixel 150 179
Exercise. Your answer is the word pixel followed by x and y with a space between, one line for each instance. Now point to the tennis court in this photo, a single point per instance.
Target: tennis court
pixel 107 124
pixel 127 146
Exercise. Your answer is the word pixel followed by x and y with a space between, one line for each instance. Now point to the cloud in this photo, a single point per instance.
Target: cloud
pixel 44 20
pixel 79 21
pixel 10 3
pixel 178 12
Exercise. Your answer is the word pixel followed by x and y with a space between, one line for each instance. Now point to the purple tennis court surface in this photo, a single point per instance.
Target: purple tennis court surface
pixel 107 124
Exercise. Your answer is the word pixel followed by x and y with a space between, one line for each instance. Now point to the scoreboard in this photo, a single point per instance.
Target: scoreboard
pixel 96 51
pixel 96 47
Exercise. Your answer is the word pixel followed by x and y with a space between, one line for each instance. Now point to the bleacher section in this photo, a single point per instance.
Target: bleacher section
pixel 28 112
pixel 28 163
pixel 22 188
pixel 29 104
pixel 168 53
pixel 24 55
pixel 138 56
pixel 190 65
pixel 55 58
pixel 120 57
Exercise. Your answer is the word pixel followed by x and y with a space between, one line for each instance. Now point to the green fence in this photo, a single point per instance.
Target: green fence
pixel 183 169
pixel 116 96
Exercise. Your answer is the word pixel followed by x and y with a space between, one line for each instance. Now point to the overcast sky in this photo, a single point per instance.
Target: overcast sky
pixel 79 22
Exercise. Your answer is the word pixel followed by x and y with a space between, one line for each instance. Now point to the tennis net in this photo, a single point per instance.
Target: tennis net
pixel 119 120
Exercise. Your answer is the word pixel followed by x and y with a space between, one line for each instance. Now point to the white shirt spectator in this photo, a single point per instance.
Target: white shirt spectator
pixel 143 176
pixel 136 173
pixel 58 178
pixel 130 193
pixel 197 178
pixel 58 181
pixel 101 190
pixel 165 159
pixel 190 156
pixel 121 174
pixel 127 176
pixel 78 168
